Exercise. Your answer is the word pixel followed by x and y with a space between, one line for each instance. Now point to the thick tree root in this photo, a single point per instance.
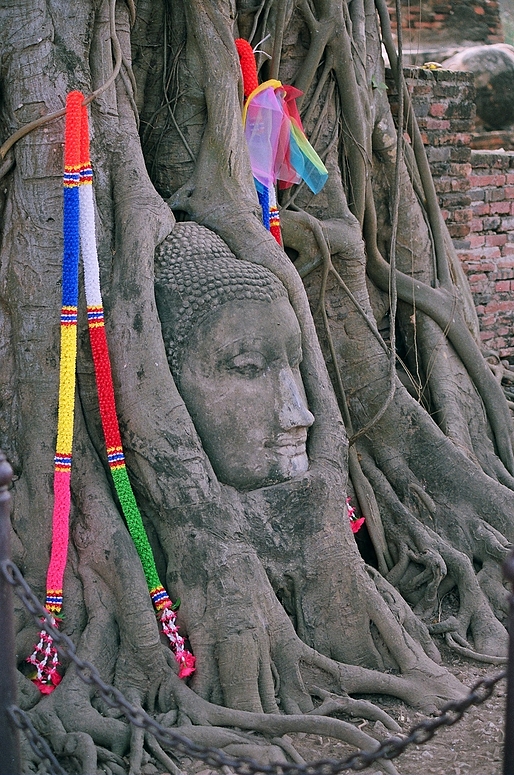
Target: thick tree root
pixel 334 703
pixel 270 725
pixel 81 747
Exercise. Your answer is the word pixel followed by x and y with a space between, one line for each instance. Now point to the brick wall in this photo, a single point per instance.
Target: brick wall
pixel 488 250
pixel 444 105
pixel 445 22
pixel 476 194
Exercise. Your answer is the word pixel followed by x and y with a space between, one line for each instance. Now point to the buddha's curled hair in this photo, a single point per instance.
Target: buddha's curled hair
pixel 195 273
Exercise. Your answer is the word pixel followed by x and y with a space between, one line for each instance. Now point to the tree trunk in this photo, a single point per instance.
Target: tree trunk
pixel 275 599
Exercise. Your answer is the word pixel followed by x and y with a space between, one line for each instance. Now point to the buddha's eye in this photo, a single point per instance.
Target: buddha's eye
pixel 248 364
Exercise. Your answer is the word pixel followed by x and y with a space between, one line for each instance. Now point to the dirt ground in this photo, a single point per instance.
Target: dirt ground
pixel 473 746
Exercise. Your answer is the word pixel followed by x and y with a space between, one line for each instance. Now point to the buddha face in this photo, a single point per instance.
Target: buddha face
pixel 241 383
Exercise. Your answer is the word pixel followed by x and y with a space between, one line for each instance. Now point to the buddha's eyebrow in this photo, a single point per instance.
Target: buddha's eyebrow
pixel 241 344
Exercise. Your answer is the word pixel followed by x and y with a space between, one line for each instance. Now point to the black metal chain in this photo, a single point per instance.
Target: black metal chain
pixel 36 742
pixel 450 714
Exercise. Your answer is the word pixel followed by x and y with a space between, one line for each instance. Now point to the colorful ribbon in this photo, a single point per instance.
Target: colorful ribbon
pixel 79 228
pixel 278 148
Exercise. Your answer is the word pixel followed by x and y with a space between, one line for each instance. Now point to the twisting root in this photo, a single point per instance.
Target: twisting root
pixel 162 757
pixel 467 651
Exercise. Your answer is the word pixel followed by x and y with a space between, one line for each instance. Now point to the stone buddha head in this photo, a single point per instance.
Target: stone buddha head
pixel 234 347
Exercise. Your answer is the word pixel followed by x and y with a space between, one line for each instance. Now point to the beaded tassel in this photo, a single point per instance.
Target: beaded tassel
pixel 79 233
pixel 355 522
pixel 44 658
pixel 116 459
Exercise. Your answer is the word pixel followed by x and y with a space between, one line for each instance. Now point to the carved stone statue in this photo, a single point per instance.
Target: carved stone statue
pixel 234 346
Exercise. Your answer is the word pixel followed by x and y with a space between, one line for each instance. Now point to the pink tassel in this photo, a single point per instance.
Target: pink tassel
pixel 355 523
pixel 184 658
pixel 45 659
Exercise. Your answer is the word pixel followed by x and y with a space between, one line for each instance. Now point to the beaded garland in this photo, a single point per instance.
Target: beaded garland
pixel 45 658
pixel 79 229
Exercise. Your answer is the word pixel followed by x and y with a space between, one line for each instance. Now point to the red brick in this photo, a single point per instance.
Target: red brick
pixel 437 109
pixel 476 241
pixel 458 230
pixel 505 262
pixel 461 184
pixel 495 239
pixel 480 208
pixel 436 123
pixel 420 88
pixel 454 200
pixel 462 215
pixel 502 286
pixel 487 180
pixel 500 306
pixel 476 278
pixel 500 207
pixel 491 252
pixel 453 138
pixel 442 185
pixel 471 261
pixel 509 192
pixel 486 335
pixel 508 224
pixel 460 169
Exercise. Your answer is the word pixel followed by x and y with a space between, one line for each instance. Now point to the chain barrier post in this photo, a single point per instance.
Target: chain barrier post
pixel 508 753
pixel 9 743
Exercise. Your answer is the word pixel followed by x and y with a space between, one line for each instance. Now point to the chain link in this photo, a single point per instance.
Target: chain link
pixel 451 713
pixel 36 742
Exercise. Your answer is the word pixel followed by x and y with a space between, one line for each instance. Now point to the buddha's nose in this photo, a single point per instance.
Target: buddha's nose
pixel 294 412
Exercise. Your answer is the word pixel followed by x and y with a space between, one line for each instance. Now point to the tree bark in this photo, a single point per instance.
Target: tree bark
pixel 276 601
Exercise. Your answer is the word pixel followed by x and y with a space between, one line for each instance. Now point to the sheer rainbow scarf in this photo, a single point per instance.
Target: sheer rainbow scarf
pixel 278 148
pixel 79 236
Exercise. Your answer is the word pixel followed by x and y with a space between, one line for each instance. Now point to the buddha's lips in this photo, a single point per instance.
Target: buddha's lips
pixel 291 443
